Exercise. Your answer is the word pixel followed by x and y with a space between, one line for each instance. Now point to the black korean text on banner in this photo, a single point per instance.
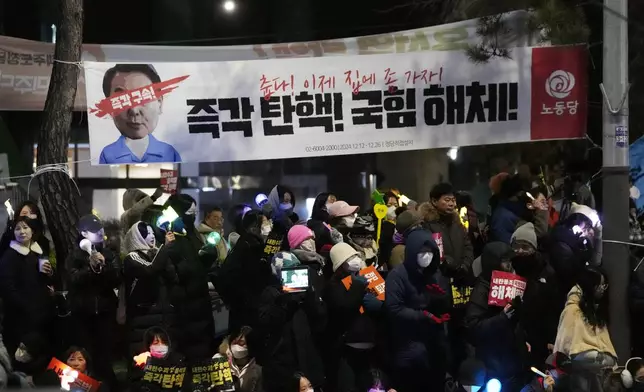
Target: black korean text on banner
pixel 228 111
pixel 212 375
pixel 160 376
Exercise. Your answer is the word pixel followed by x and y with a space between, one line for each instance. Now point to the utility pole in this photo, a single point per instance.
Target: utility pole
pixel 615 171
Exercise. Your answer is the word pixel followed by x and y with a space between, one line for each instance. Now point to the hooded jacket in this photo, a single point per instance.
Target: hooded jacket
pixel 499 341
pixel 457 248
pixel 28 306
pixel 147 301
pixel 509 215
pixel 135 202
pixel 406 301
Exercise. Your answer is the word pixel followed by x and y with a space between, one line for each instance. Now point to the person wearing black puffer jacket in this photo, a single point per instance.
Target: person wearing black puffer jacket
pixel 495 332
pixel 147 302
pixel 188 283
pixel 93 276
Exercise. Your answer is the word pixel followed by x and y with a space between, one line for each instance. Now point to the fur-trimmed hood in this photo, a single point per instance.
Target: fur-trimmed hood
pixel 23 250
pixel 431 214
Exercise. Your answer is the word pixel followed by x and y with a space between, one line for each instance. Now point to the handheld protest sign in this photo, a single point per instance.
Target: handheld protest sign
pixel 380 210
pixel 71 379
pixel 375 283
pixel 212 375
pixel 504 287
pixel 163 375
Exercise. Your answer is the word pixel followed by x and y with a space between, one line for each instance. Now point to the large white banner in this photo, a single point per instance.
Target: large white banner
pixel 286 108
pixel 25 66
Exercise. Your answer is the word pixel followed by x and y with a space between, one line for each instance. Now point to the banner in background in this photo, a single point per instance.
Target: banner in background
pixel 25 66
pixel 504 287
pixel 289 108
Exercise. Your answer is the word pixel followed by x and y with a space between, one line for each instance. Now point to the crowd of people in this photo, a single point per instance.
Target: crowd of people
pixel 148 288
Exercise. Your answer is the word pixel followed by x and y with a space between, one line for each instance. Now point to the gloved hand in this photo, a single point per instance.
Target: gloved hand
pixel 371 303
pixel 359 279
pixel 508 311
pixel 433 319
pixel 96 261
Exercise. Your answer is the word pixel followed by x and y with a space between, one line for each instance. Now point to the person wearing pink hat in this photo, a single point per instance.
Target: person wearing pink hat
pixel 301 240
pixel 342 213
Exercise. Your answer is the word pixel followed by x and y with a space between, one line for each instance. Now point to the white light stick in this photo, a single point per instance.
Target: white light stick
pixel 538 372
pixel 9 208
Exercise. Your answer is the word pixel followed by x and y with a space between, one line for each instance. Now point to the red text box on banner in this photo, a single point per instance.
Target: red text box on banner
pixel 504 287
pixel 169 180
pixel 559 93
pixel 82 382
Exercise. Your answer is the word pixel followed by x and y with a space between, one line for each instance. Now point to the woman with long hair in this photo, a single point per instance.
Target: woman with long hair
pixel 583 329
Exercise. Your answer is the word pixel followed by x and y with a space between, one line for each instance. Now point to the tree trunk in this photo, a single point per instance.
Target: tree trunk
pixel 58 194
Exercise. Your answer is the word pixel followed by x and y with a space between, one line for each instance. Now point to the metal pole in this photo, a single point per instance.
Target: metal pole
pixel 616 170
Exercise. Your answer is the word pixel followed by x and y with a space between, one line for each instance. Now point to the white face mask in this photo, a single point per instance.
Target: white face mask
pixel 266 229
pixel 239 352
pixel 308 245
pixel 192 210
pixel 354 264
pixel 149 239
pixel 22 355
pixel 425 259
pixel 634 192
pixel 391 213
pixel 349 220
pixel 159 350
pixel 310 390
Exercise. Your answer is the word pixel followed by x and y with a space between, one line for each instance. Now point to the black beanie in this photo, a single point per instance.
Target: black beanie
pixel 440 190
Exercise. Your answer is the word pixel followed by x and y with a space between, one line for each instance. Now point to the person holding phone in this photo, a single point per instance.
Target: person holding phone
pixel 291 324
pixel 25 285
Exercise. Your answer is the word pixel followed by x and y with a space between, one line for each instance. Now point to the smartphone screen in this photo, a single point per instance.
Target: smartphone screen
pixel 295 280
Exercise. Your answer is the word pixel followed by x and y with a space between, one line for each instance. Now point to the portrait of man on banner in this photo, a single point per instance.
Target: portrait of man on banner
pixel 138 122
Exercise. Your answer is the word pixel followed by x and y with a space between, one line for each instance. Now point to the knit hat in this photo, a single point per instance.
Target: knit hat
pixel 440 190
pixel 585 211
pixel 526 233
pixel 283 260
pixel 407 220
pixel 342 208
pixel 340 253
pixel 299 234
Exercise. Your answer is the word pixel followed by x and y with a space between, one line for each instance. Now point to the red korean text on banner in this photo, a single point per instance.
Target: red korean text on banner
pixel 559 92
pixel 169 181
pixel 504 287
pixel 121 102
pixel 438 239
pixel 375 283
pixel 78 381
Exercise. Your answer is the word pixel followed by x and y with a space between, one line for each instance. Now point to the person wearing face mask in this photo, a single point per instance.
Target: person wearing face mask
pixel 31 359
pixel 246 272
pixel 280 210
pixel 24 285
pixel 187 282
pixel 406 222
pixel 146 286
pixel 417 309
pixel 247 374
pixel 301 240
pixel 583 334
pixel 291 325
pixel 342 216
pixel 94 273
pixel 320 218
pixel 387 231
pixel 496 332
pixel 351 333
pixel 158 345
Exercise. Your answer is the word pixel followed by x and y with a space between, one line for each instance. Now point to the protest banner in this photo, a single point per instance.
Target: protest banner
pixel 273 245
pixel 25 66
pixel 212 375
pixel 438 239
pixel 306 107
pixel 81 382
pixel 169 180
pixel 504 287
pixel 160 375
pixel 375 283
